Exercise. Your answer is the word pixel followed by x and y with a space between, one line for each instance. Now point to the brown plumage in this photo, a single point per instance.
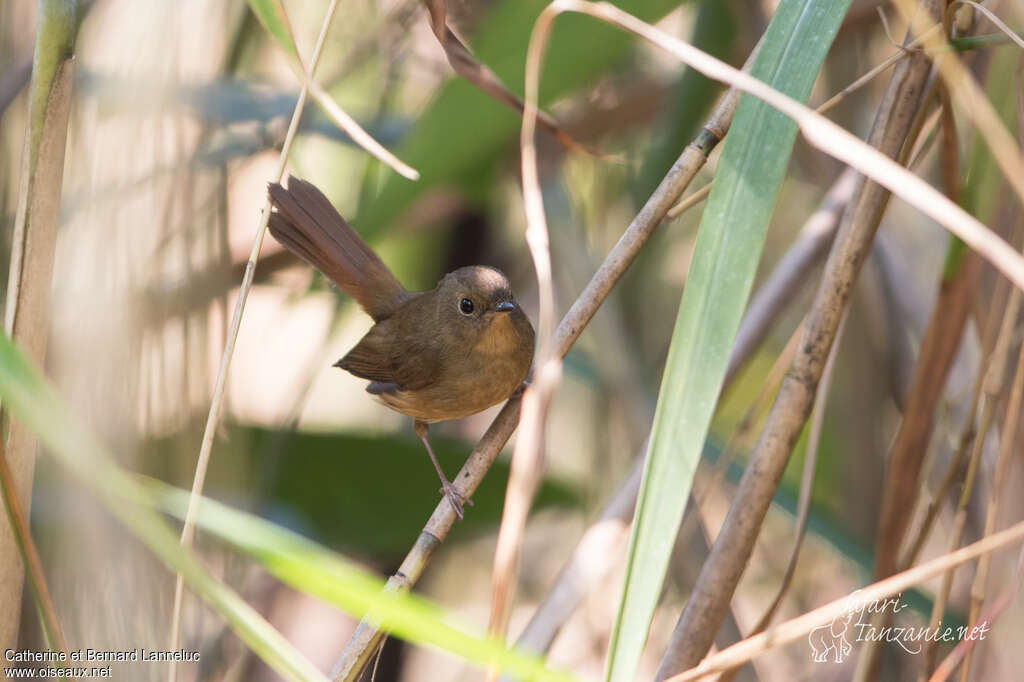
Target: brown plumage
pixel 434 355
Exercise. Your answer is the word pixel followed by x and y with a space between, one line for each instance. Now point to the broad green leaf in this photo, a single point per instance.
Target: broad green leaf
pixel 273 17
pixel 727 251
pixel 315 570
pixel 463 128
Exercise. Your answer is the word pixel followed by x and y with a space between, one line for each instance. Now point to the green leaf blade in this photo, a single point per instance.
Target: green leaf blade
pixel 726 255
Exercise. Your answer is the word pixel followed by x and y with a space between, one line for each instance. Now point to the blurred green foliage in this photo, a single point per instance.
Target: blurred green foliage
pixel 363 494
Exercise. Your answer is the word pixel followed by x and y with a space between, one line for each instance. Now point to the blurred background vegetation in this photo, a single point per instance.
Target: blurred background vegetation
pixel 178 117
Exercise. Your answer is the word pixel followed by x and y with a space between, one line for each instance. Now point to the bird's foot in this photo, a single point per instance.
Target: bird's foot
pixel 455 498
pixel 520 389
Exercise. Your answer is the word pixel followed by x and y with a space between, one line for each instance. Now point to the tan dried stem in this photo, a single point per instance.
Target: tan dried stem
pixel 33 242
pixel 798 628
pixel 806 492
pixel 528 456
pixel 217 400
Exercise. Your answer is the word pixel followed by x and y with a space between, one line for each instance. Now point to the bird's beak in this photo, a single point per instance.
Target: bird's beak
pixel 505 307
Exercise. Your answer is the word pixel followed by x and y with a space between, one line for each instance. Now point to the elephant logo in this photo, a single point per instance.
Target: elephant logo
pixel 831 638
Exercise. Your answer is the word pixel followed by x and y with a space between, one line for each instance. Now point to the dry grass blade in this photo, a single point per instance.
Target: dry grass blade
pixel 465 64
pixel 356 132
pixel 217 400
pixel 799 627
pixel 528 457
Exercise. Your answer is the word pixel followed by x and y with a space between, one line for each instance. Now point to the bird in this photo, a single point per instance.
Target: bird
pixel 435 355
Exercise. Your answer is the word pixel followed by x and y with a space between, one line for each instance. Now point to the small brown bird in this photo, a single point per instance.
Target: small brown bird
pixel 433 355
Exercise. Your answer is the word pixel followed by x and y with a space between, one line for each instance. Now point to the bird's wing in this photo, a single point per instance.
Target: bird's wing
pixel 384 355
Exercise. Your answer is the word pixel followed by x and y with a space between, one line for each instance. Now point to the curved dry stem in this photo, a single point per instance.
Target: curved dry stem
pixel 528 459
pixel 217 400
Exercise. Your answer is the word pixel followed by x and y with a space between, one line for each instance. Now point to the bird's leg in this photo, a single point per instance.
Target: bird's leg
pixel 455 498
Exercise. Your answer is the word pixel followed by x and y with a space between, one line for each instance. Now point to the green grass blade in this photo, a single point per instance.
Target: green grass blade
pixel 312 568
pixel 294 559
pixel 273 17
pixel 725 260
pixel 31 399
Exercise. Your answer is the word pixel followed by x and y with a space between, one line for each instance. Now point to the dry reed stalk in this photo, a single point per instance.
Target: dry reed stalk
pixel 27 316
pixel 806 491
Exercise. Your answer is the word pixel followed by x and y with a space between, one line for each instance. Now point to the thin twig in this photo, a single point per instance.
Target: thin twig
pixel 799 627
pixel 870 75
pixel 216 402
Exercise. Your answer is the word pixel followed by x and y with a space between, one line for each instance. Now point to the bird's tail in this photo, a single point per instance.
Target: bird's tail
pixel 307 224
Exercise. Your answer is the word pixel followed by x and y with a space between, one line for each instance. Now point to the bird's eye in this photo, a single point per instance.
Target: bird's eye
pixel 466 306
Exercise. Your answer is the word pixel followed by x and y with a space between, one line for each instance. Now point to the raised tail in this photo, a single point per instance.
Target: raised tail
pixel 307 224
